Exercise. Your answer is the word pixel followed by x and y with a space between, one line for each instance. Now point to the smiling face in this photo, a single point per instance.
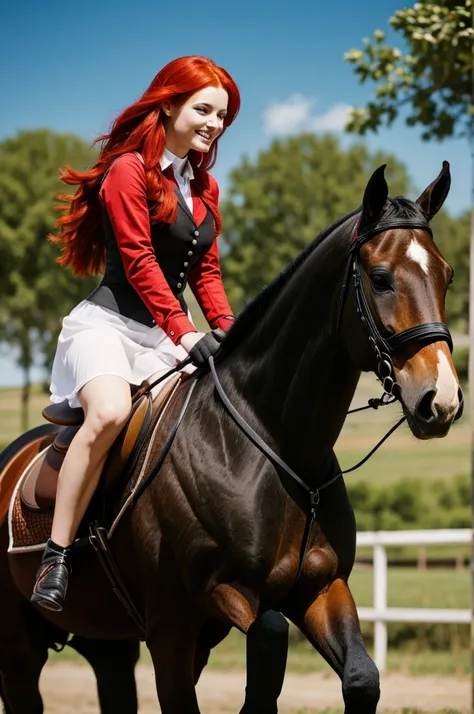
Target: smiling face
pixel 197 122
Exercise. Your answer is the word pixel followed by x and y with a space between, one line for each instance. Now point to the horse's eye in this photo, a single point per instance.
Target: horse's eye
pixel 380 282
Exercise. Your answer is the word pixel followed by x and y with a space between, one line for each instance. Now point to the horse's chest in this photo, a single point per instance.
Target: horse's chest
pixel 320 565
pixel 319 568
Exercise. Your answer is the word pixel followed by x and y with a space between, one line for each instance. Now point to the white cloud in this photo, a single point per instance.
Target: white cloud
pixel 296 114
pixel 333 120
pixel 288 117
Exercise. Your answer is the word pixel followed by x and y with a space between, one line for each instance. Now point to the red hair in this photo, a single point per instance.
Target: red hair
pixel 140 128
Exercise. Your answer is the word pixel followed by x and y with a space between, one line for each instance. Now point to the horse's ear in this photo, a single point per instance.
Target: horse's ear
pixel 375 196
pixel 434 196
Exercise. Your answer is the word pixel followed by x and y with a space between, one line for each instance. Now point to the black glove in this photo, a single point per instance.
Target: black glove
pixel 206 347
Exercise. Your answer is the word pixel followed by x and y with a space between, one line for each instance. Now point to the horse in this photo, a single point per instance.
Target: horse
pixel 113 662
pixel 249 510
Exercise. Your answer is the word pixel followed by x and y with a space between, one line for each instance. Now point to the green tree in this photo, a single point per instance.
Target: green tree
pixel 281 201
pixel 452 238
pixel 434 77
pixel 35 292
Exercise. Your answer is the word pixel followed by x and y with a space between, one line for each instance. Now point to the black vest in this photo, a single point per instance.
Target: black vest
pixel 177 246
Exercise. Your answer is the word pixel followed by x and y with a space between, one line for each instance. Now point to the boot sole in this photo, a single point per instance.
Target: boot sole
pixel 46 604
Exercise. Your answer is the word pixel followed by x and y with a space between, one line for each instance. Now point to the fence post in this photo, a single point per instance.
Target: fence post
pixel 380 606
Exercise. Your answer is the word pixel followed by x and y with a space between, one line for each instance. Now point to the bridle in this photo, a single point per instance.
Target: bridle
pixel 384 347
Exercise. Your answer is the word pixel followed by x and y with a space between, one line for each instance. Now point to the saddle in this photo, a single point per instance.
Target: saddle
pixel 39 483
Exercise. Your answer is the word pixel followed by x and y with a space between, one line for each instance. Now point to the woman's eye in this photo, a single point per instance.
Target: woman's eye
pixel 201 110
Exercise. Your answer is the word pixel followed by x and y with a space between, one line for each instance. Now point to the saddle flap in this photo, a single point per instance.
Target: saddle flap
pixel 38 489
pixel 64 438
pixel 129 444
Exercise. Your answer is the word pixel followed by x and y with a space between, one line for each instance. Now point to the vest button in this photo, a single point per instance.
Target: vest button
pixel 179 285
pixel 181 275
pixel 194 241
pixel 196 233
pixel 186 264
pixel 190 252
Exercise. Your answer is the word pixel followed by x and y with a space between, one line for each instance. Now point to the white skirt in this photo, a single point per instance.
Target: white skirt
pixel 95 341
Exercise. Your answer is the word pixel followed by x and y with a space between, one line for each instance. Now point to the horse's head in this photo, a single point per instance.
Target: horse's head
pixel 399 283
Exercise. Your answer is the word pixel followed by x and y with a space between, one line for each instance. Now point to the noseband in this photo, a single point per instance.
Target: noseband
pixel 384 347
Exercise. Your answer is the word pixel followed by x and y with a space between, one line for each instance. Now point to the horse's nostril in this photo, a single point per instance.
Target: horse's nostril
pixel 424 408
pixel 461 405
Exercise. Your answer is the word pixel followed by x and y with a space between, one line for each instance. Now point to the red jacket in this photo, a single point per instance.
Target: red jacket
pixel 124 196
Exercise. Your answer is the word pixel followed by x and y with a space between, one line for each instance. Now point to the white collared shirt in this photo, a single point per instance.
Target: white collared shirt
pixel 183 172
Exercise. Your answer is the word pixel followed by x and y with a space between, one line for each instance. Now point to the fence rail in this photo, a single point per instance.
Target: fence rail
pixel 380 614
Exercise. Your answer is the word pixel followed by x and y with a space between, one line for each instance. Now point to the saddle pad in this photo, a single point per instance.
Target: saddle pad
pixel 28 529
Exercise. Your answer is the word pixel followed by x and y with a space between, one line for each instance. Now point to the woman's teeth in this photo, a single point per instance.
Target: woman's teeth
pixel 204 135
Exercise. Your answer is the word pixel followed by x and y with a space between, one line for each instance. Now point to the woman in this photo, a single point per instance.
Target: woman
pixel 148 213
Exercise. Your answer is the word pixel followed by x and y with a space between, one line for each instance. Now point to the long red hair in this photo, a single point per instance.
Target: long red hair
pixel 140 128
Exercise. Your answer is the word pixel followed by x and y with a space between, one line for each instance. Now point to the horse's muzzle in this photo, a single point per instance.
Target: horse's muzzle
pixel 432 419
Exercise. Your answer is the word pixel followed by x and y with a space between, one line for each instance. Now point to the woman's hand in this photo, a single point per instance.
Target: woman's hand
pixel 202 346
pixel 189 339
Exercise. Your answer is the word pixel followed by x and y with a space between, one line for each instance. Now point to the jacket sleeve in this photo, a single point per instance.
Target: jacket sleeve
pixel 124 197
pixel 205 280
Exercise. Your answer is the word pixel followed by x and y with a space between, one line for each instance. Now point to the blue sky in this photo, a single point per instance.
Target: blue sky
pixel 73 66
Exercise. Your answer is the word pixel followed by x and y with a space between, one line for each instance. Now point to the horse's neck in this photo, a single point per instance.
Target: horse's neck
pixel 297 377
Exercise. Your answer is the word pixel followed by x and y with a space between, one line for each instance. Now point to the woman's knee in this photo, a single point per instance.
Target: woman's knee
pixel 107 403
pixel 108 418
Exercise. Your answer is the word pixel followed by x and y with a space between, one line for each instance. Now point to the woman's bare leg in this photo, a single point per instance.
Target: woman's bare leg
pixel 106 402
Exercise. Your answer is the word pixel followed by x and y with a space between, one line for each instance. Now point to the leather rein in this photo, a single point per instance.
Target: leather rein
pixel 383 347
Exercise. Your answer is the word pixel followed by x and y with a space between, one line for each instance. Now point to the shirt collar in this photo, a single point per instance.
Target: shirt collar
pixel 180 166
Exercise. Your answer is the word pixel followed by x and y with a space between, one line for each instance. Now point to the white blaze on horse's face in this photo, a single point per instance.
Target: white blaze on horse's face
pixel 447 387
pixel 427 377
pixel 419 254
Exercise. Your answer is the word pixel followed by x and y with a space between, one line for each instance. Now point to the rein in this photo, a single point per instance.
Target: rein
pixel 313 493
pixel 383 347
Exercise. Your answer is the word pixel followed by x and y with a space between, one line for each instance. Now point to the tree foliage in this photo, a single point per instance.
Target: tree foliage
pixel 434 77
pixel 35 292
pixel 279 202
pixel 452 238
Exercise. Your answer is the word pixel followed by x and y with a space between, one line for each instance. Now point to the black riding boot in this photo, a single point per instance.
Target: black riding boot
pixel 52 577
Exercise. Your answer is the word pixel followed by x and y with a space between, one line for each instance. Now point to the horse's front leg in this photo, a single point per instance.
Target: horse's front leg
pixel 267 645
pixel 332 626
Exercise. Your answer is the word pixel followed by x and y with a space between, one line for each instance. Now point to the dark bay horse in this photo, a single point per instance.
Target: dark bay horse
pixel 217 537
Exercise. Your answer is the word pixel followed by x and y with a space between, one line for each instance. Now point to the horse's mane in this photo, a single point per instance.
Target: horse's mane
pixel 398 206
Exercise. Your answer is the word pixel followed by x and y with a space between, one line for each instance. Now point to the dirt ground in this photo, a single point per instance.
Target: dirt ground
pixel 70 689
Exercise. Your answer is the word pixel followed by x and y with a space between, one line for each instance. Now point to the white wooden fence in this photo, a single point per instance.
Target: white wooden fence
pixel 380 614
